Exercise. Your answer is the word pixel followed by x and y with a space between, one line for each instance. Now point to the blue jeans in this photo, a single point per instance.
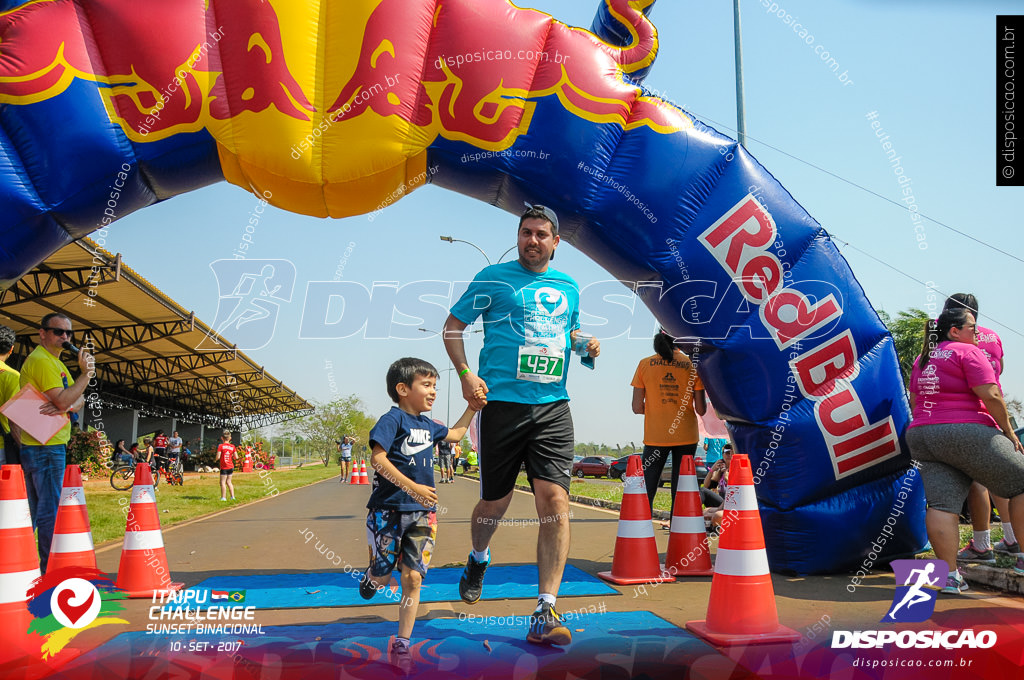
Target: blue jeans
pixel 44 476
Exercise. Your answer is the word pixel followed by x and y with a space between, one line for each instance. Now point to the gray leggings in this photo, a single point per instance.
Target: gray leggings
pixel 951 455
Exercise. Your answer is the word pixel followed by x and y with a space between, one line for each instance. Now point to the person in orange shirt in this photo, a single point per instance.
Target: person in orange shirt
pixel 668 393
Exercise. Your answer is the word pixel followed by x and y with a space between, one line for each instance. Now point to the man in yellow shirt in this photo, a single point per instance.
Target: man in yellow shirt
pixel 43 463
pixel 9 386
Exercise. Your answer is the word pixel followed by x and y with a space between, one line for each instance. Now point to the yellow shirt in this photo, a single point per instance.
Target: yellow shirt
pixel 46 371
pixel 669 419
pixel 9 386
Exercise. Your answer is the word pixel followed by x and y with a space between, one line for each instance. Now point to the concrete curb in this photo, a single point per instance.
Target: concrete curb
pixel 994 577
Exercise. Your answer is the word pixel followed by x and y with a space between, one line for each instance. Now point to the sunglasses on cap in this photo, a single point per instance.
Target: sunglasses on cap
pixel 548 213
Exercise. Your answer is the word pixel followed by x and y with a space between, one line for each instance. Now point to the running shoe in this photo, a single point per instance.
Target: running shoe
pixel 1002 546
pixel 1018 568
pixel 366 587
pixel 471 585
pixel 970 554
pixel 401 656
pixel 956 584
pixel 546 627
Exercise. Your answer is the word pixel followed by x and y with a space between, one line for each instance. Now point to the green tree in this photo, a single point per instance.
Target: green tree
pixel 332 420
pixel 908 336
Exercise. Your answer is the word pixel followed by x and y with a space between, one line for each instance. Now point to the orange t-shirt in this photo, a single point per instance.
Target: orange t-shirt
pixel 669 418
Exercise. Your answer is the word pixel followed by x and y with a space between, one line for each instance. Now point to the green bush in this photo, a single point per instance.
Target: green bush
pixel 91 451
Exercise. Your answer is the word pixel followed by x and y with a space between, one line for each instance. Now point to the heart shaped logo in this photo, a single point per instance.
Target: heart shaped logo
pixel 75 603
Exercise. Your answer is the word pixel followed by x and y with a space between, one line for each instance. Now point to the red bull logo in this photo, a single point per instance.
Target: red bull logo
pixel 165 72
pixel 479 81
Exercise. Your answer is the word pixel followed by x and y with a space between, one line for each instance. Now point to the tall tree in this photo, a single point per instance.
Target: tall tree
pixel 908 336
pixel 332 420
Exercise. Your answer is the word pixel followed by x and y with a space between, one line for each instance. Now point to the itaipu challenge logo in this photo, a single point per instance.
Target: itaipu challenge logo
pixel 67 601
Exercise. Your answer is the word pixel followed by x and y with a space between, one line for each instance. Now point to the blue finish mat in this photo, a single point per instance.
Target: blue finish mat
pixel 341 589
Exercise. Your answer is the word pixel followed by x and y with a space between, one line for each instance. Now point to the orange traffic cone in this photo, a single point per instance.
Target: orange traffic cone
pixel 143 570
pixel 688 553
pixel 636 552
pixel 72 535
pixel 355 474
pixel 741 609
pixel 19 566
pixel 363 477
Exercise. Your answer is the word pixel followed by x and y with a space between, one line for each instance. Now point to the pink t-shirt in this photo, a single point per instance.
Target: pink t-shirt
pixel 992 346
pixel 943 389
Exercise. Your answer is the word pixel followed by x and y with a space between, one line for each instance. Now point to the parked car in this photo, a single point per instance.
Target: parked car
pixel 618 469
pixel 594 466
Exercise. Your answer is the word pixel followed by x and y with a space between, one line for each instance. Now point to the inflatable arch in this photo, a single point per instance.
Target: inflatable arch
pixel 335 109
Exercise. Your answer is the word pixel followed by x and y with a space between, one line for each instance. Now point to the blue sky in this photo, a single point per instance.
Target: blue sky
pixel 926 70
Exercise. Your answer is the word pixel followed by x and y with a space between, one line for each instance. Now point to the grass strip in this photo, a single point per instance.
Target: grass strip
pixel 200 495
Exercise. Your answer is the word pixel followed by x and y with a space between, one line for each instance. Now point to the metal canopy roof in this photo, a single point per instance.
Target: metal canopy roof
pixel 145 343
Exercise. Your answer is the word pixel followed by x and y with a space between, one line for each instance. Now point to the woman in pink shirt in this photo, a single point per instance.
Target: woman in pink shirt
pixel 955 434
pixel 979 548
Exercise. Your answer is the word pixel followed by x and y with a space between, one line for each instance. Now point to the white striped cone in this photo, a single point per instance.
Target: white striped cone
pixel 741 609
pixel 636 551
pixel 363 477
pixel 19 565
pixel 688 552
pixel 72 536
pixel 143 571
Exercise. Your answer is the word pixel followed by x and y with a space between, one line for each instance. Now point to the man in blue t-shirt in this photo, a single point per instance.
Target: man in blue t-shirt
pixel 531 319
pixel 401 522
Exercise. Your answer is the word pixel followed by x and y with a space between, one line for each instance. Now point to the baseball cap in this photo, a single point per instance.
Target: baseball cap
pixel 548 213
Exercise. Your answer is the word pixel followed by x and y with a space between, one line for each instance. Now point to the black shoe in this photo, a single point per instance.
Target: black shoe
pixel 471 585
pixel 401 656
pixel 546 627
pixel 366 587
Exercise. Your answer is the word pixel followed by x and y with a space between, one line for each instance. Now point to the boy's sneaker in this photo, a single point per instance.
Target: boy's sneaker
pixel 546 627
pixel 471 585
pixel 366 587
pixel 1018 568
pixel 970 554
pixel 1002 546
pixel 955 583
pixel 401 656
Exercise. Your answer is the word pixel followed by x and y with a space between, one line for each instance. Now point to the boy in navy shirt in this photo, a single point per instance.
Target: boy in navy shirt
pixel 401 523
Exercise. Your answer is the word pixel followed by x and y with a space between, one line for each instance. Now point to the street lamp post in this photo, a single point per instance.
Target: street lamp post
pixel 450 239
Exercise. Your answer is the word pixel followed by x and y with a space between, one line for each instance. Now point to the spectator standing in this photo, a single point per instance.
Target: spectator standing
pixel 10 383
pixel 668 393
pixel 44 462
pixel 960 431
pixel 226 455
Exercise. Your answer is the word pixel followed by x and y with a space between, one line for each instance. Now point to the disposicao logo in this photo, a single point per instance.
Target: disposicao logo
pixel 913 602
pixel 68 601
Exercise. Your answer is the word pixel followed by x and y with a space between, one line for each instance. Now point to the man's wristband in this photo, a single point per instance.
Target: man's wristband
pixel 463 371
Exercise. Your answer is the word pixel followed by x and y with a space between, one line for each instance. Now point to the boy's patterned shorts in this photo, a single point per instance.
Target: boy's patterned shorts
pixel 394 533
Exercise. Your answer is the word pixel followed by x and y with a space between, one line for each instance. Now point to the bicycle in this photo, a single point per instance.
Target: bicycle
pixel 175 472
pixel 122 477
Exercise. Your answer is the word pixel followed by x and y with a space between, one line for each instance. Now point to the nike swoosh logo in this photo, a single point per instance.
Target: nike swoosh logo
pixel 409 451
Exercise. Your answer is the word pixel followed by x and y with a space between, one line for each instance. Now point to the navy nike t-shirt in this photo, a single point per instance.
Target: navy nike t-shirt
pixel 409 441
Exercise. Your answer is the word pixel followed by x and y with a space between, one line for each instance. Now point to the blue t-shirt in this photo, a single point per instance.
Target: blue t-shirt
pixel 527 320
pixel 715 446
pixel 346 451
pixel 409 441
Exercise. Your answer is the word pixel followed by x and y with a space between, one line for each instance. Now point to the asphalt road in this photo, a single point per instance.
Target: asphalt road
pixel 271 537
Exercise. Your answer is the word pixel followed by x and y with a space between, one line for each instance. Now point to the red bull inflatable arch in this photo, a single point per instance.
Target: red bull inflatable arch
pixel 335 109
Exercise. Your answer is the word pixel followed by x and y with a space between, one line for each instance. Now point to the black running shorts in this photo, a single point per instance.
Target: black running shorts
pixel 541 435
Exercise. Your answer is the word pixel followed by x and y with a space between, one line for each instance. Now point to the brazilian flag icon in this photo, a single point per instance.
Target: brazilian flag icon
pixel 237 596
